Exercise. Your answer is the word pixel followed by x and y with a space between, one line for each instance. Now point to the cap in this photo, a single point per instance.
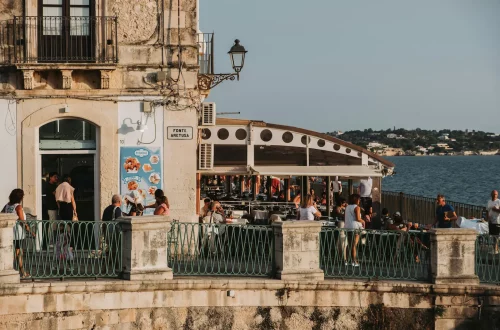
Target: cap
pixel 397 214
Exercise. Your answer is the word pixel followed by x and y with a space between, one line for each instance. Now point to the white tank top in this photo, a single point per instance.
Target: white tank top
pixel 350 217
pixel 18 229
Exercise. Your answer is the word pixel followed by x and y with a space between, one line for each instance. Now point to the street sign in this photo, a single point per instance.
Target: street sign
pixel 179 133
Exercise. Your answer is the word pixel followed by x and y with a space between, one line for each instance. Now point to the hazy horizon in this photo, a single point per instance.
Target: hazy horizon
pixel 337 65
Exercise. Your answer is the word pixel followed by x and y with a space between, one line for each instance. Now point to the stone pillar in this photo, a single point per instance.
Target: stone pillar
pixel 453 256
pixel 144 245
pixel 7 272
pixel 297 250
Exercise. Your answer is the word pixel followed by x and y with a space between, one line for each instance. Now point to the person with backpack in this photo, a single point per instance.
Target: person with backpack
pixel 113 211
pixel 110 214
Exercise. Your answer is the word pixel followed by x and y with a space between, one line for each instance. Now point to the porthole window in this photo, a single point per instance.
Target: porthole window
pixel 304 139
pixel 287 137
pixel 241 134
pixel 336 147
pixel 321 143
pixel 223 134
pixel 348 150
pixel 206 134
pixel 359 154
pixel 266 135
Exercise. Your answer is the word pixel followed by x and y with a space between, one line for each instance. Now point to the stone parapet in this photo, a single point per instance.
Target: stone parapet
pixel 144 244
pixel 297 250
pixel 453 256
pixel 7 272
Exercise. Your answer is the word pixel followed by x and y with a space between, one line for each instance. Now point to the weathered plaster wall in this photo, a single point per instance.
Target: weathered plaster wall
pixel 8 145
pixel 9 8
pixel 180 164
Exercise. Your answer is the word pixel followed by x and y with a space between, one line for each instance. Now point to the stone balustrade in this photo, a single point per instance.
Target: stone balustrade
pixel 296 249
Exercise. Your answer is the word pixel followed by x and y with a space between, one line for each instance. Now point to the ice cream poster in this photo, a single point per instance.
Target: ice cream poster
pixel 141 170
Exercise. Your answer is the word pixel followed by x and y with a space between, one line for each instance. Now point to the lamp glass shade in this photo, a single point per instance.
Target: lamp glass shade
pixel 237 54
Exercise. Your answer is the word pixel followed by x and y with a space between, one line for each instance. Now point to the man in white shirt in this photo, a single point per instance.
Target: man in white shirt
pixel 337 190
pixel 365 191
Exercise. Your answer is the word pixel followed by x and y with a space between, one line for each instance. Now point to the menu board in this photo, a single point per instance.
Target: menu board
pixel 141 170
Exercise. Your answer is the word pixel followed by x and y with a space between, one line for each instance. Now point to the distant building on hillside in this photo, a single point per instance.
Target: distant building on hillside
pixel 393 152
pixel 444 146
pixel 444 137
pixel 373 145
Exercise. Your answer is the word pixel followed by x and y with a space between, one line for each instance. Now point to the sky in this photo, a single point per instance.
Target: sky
pixel 332 65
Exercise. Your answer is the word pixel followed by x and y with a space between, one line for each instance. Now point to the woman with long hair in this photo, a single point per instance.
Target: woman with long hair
pixel 163 207
pixel 307 211
pixel 14 206
pixel 353 221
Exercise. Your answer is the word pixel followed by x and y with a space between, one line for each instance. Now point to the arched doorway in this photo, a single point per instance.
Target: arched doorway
pixel 69 147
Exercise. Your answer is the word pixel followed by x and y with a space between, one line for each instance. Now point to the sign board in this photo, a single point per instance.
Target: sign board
pixel 141 170
pixel 179 133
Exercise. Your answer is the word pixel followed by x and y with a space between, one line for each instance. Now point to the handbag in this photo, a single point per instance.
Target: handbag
pixel 75 217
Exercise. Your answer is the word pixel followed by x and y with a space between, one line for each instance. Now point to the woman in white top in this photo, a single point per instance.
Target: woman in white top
pixel 307 211
pixel 14 206
pixel 353 221
pixel 65 199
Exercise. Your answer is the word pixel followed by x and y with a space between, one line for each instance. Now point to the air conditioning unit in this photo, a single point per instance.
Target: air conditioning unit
pixel 208 113
pixel 206 156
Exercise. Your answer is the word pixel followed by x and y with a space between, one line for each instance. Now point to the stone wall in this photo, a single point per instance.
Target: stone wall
pixel 255 304
pixel 228 318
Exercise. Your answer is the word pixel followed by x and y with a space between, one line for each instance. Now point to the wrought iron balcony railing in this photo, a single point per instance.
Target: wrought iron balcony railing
pixel 206 53
pixel 59 39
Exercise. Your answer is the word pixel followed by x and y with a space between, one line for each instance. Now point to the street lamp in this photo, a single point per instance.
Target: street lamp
pixel 210 80
pixel 237 54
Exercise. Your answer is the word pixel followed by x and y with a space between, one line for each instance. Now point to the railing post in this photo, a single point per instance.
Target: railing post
pixel 144 255
pixel 14 37
pixel 7 272
pixel 453 256
pixel 296 250
pixel 401 203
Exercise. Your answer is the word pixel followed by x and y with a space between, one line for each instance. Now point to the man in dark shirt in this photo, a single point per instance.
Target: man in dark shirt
pixel 445 214
pixel 50 197
pixel 113 211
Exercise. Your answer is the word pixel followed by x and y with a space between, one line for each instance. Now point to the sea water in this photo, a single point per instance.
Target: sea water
pixel 466 179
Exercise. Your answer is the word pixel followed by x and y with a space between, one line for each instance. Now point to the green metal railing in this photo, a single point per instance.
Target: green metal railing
pixel 221 249
pixel 423 209
pixel 60 249
pixel 379 254
pixel 488 258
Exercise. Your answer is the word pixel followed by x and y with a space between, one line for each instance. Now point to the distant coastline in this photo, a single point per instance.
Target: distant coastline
pixel 420 142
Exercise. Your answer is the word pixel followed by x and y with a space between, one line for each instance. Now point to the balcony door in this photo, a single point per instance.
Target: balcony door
pixel 66 31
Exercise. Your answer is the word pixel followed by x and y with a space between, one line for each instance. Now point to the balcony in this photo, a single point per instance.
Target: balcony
pixel 205 54
pixel 48 40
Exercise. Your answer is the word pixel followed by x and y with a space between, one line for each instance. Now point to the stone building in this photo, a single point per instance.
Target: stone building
pixel 84 83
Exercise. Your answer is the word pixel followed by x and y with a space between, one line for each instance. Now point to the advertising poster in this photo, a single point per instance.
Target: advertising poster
pixel 141 170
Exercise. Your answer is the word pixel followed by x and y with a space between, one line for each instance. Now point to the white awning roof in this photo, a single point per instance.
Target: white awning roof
pixel 344 171
pixel 341 171
pixel 226 170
